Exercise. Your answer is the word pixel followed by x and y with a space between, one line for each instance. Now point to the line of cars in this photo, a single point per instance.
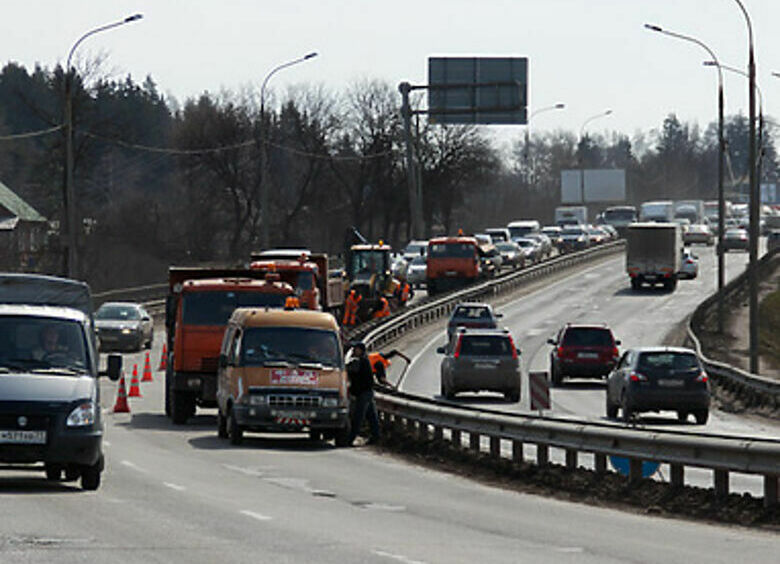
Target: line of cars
pixel 481 356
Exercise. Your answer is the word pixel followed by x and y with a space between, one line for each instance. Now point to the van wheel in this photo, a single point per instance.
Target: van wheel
pixel 342 436
pixel 168 393
pixel 682 416
pixel 636 284
pixel 513 396
pixel 90 477
pixel 53 472
pixel 72 473
pixel 612 409
pixel 234 429
pixel 555 376
pixel 222 430
pixel 702 416
pixel 315 435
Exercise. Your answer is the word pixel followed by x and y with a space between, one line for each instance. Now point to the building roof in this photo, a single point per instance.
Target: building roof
pixel 18 207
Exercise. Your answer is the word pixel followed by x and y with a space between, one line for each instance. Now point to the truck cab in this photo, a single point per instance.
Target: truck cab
pixel 282 371
pixel 452 262
pixel 197 312
pixel 49 393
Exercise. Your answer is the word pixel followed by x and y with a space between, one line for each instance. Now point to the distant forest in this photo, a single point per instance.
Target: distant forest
pixel 160 182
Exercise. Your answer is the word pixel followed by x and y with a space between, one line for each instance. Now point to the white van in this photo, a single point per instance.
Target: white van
pixel 519 229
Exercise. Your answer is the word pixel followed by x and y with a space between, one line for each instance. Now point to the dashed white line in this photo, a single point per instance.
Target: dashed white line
pixel 176 487
pixel 107 443
pixel 245 471
pixel 134 467
pixel 396 557
pixel 255 515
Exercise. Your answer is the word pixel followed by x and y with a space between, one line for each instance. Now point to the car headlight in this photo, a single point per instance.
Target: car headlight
pixel 126 331
pixel 82 415
pixel 330 402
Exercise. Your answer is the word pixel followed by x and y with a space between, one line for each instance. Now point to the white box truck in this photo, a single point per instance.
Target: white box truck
pixel 653 254
pixel 571 215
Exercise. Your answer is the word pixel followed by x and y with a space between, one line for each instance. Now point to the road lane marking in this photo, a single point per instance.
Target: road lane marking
pixel 176 487
pixel 245 471
pixel 255 515
pixel 427 346
pixel 107 443
pixel 396 557
pixel 134 467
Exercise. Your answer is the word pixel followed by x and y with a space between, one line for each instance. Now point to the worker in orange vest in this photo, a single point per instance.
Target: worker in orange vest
pixel 292 302
pixel 384 308
pixel 351 306
pixel 381 361
pixel 406 293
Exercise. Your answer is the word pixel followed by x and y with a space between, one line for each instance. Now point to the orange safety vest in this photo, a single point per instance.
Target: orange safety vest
pixel 351 306
pixel 292 302
pixel 384 311
pixel 377 358
pixel 405 293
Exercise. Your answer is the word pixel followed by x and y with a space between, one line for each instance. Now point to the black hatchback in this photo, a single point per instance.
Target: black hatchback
pixel 657 379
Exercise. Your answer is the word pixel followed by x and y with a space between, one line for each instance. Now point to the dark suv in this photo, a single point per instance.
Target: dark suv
pixel 584 351
pixel 472 315
pixel 481 359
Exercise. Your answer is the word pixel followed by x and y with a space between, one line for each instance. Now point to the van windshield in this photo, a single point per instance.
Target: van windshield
pixel 290 344
pixel 215 308
pixel 42 344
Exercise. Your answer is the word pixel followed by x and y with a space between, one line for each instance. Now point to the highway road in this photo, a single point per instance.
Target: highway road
pixel 596 293
pixel 180 494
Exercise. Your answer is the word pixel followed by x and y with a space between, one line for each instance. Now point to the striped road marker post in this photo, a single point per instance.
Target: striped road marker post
pixel 540 391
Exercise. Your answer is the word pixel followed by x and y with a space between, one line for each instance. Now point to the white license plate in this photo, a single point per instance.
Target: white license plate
pixel 23 437
pixel 294 414
pixel 671 383
pixel 587 355
pixel 451 273
pixel 488 365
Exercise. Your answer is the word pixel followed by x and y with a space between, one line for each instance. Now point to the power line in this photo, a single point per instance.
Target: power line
pixel 30 134
pixel 233 146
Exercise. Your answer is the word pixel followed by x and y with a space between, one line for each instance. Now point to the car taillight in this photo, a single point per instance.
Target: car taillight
pixel 615 352
pixel 560 352
pixel 457 347
pixel 637 377
pixel 514 349
pixel 702 377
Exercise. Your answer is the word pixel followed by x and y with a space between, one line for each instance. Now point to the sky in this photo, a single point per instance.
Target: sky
pixel 591 55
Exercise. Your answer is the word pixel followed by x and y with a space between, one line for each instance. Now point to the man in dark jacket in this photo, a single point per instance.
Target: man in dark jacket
pixel 361 386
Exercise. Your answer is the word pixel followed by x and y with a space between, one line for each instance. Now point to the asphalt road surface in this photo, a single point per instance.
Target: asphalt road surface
pixel 180 494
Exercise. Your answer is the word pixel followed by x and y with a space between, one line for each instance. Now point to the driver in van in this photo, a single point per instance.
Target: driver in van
pixel 48 343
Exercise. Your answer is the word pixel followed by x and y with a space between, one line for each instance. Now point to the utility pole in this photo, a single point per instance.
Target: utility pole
pixel 415 202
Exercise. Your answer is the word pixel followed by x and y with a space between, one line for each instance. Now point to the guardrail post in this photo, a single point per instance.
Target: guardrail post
pixel 634 470
pixel 456 442
pixel 438 434
pixel 542 455
pixel 411 424
pixel 677 476
pixel 571 459
pixel 517 451
pixel 770 491
pixel 422 431
pixel 600 462
pixel 721 483
pixel 474 442
pixel 495 447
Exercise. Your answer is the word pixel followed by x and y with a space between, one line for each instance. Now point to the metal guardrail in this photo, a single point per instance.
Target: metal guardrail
pixel 146 294
pixel 756 389
pixel 721 454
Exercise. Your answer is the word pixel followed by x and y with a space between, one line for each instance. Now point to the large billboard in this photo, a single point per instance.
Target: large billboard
pixel 483 90
pixel 593 186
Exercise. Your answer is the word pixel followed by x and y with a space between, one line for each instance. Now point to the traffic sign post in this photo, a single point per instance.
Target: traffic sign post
pixel 539 389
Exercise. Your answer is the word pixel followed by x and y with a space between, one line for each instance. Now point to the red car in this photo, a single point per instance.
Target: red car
pixel 582 351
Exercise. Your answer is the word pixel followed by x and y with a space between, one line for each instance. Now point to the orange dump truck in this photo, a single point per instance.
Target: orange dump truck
pixel 307 273
pixel 452 262
pixel 199 304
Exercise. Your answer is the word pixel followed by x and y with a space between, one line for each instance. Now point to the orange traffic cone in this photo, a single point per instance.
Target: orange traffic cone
pixel 121 405
pixel 147 370
pixel 135 389
pixel 163 358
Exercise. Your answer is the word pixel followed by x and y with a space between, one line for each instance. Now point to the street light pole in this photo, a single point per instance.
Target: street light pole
pixel 264 188
pixel 558 106
pixel 71 211
pixel 721 156
pixel 755 197
pixel 605 113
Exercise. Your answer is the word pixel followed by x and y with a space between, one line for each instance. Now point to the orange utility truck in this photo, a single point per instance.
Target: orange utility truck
pixel 199 304
pixel 452 262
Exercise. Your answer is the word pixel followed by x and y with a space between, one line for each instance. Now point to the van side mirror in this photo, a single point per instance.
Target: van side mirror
pixel 223 360
pixel 618 343
pixel 499 315
pixel 551 342
pixel 441 350
pixel 114 367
